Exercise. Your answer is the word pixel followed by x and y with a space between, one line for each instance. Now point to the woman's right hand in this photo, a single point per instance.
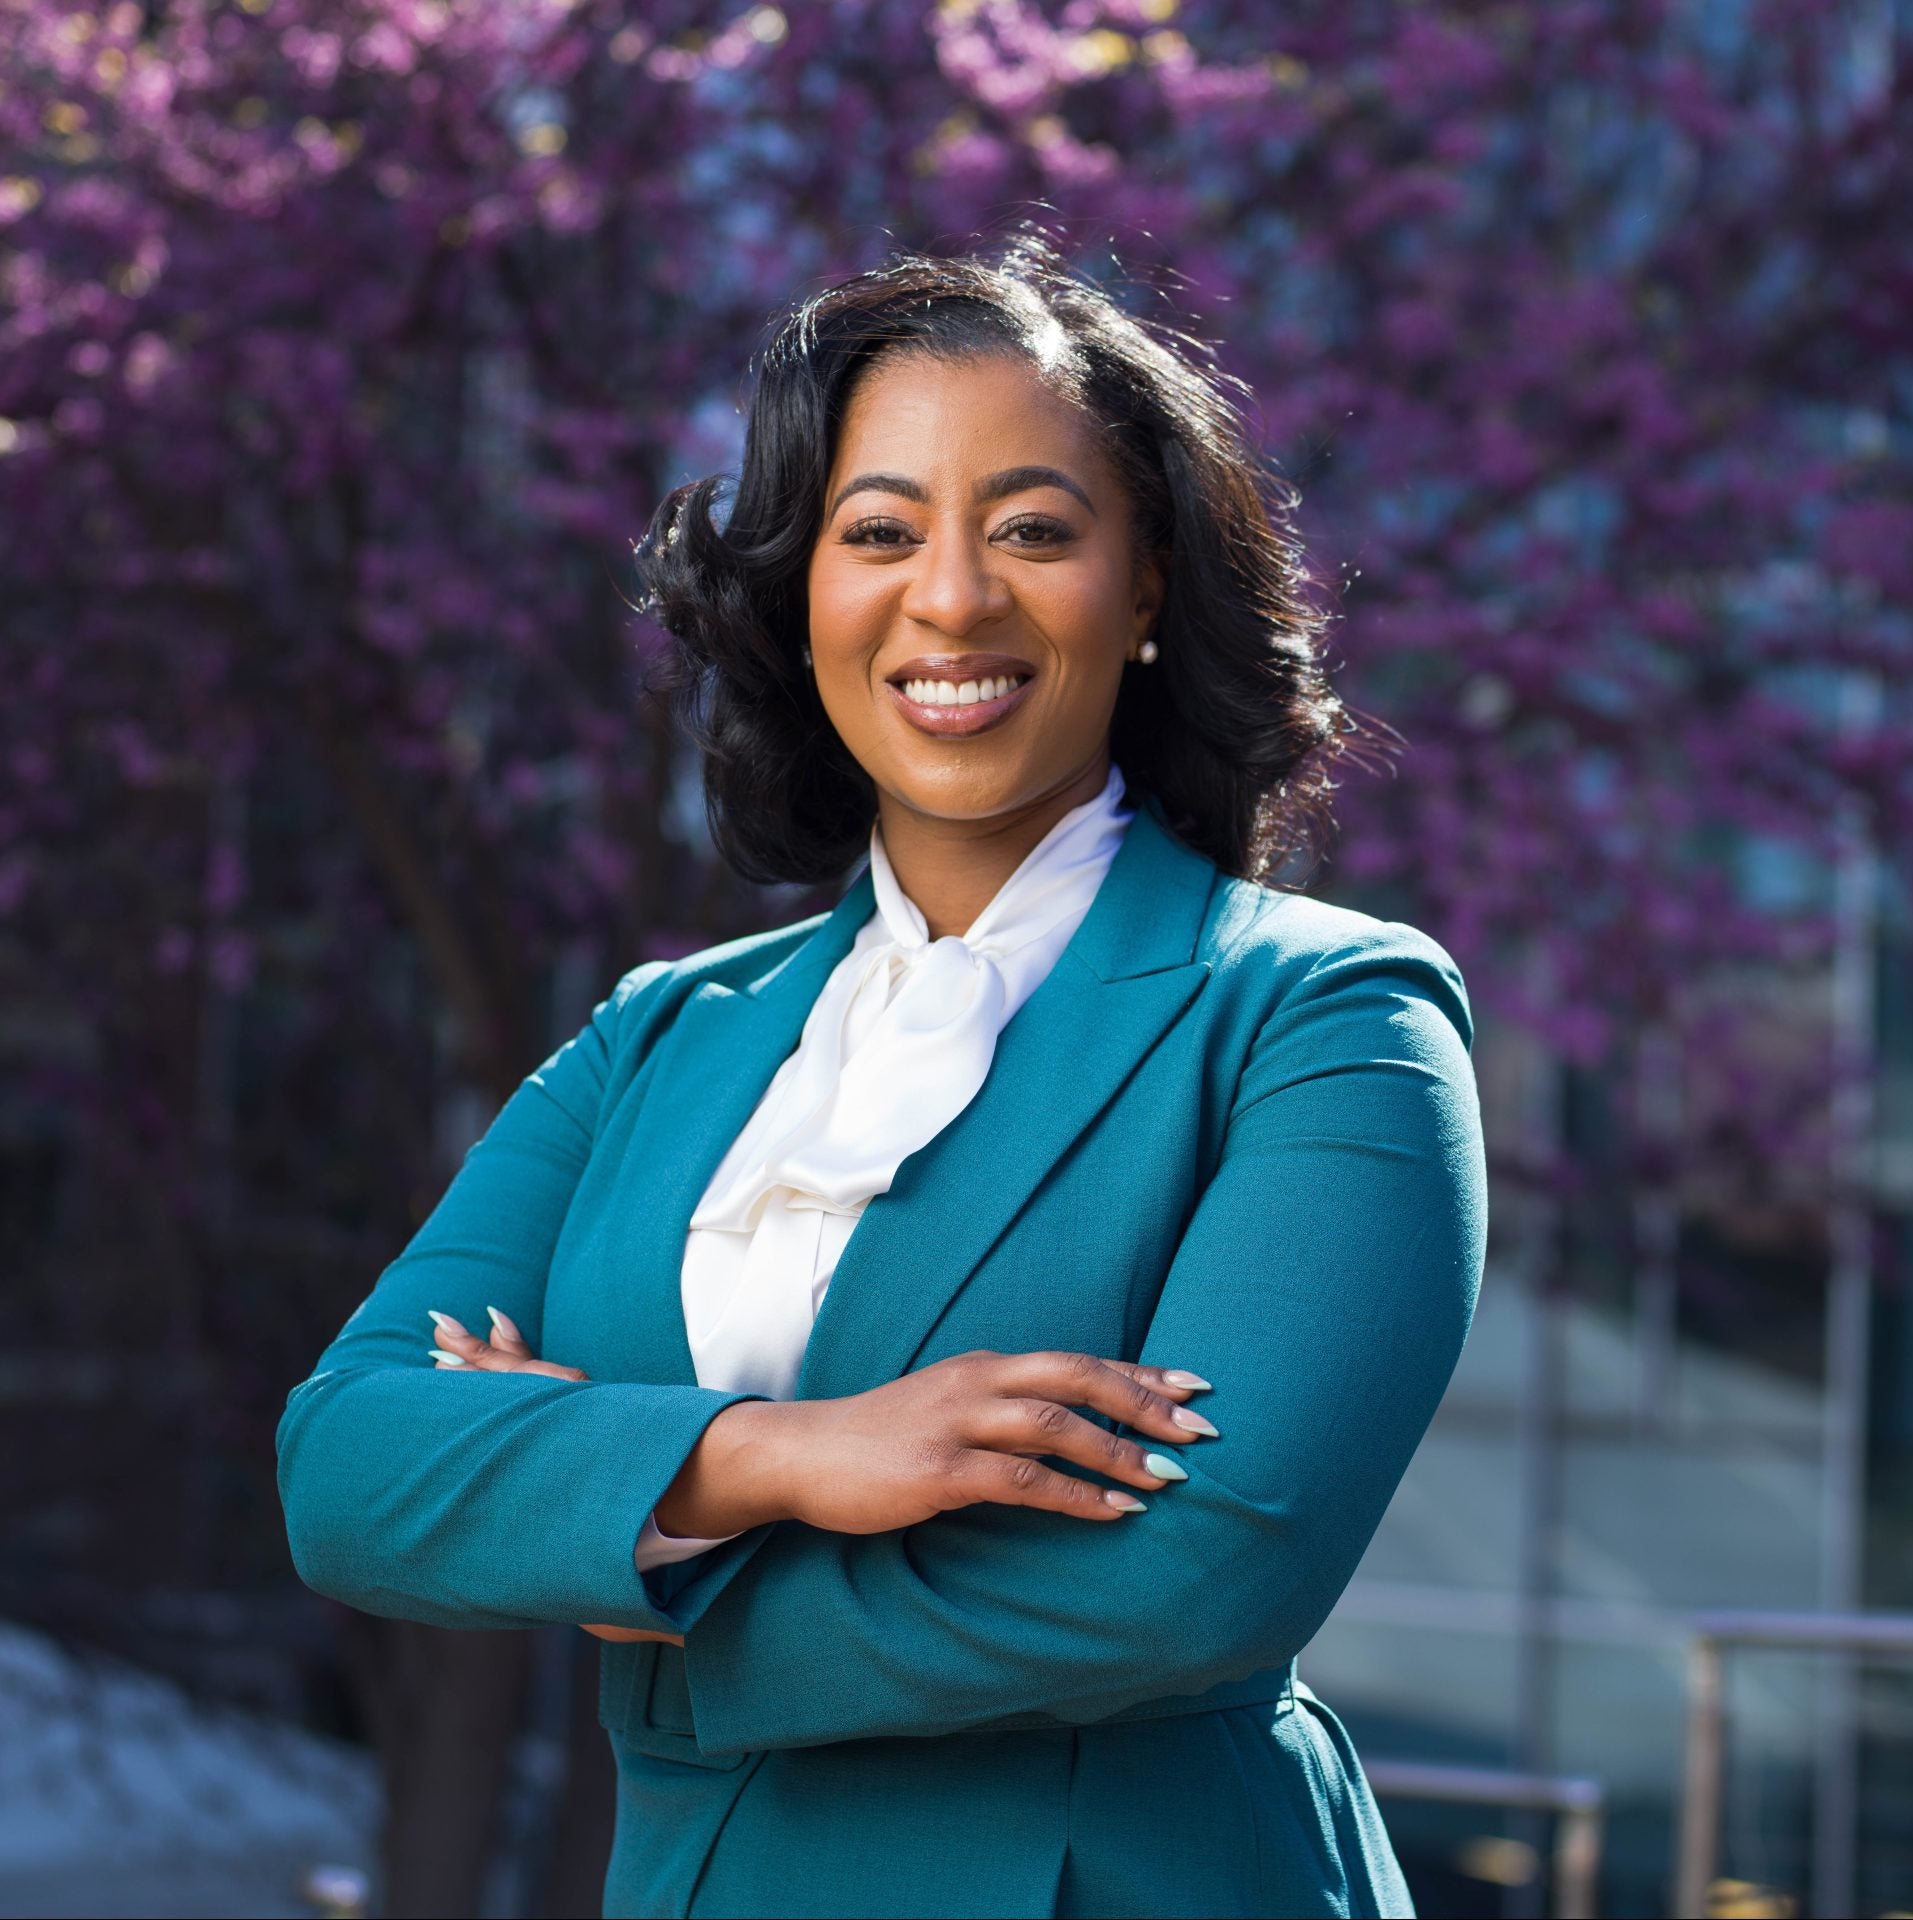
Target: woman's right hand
pixel 963 1430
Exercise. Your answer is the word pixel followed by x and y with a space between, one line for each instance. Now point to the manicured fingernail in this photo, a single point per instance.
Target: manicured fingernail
pixel 1193 1422
pixel 1177 1377
pixel 445 1359
pixel 502 1324
pixel 444 1320
pixel 1126 1501
pixel 1163 1467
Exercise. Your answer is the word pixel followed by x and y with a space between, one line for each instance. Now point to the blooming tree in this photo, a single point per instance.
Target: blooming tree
pixel 346 344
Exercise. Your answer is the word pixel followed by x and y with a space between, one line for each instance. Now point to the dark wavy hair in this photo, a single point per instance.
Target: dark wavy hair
pixel 1233 732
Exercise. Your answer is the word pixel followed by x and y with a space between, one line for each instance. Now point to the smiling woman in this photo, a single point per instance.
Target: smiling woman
pixel 870 1259
pixel 947 455
pixel 932 544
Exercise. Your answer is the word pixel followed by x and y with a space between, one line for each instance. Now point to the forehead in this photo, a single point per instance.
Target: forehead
pixel 914 411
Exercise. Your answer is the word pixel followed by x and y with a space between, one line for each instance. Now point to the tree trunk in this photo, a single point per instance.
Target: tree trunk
pixel 580 1848
pixel 443 1708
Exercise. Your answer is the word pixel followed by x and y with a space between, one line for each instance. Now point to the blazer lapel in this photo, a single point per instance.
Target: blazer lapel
pixel 711 1069
pixel 1126 974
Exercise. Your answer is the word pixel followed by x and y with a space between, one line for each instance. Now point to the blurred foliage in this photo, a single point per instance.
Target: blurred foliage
pixel 345 345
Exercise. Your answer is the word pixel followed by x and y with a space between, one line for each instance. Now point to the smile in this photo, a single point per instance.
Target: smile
pixel 963 700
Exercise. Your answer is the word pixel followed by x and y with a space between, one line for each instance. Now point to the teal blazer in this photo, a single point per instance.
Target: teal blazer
pixel 1233 1130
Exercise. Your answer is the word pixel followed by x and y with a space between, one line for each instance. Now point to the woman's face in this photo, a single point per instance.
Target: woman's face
pixel 974 534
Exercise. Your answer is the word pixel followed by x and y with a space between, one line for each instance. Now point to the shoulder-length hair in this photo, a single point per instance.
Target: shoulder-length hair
pixel 1232 731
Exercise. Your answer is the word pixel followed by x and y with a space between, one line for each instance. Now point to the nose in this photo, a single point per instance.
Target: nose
pixel 952 586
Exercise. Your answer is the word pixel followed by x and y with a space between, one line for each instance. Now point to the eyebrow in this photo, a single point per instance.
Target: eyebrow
pixel 994 486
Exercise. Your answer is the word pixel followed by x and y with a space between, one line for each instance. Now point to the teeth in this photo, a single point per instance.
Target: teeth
pixel 951 693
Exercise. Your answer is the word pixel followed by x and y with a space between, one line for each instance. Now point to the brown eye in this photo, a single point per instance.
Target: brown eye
pixel 1035 530
pixel 876 533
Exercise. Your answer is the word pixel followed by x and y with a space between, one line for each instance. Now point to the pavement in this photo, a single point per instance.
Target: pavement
pixel 121 1794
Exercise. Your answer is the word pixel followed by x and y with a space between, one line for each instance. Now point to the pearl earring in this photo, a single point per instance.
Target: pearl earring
pixel 806 656
pixel 1147 652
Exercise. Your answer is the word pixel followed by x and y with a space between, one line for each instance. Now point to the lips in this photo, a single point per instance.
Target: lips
pixel 957 722
pixel 958 667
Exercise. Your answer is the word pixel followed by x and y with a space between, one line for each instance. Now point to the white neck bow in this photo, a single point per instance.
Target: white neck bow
pixel 904 1030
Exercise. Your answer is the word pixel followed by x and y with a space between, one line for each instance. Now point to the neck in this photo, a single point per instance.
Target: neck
pixel 953 869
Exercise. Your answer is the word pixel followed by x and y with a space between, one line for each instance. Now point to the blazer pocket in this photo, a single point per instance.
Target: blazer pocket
pixel 645 1699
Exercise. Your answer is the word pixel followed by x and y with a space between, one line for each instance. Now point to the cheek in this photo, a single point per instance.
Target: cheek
pixel 843 600
pixel 1083 607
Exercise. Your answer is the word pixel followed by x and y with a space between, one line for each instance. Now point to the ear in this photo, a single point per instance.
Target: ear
pixel 1150 588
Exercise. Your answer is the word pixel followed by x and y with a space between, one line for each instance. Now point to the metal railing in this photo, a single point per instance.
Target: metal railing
pixel 1882 1635
pixel 1580 1807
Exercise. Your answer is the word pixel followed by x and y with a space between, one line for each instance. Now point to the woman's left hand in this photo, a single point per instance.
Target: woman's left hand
pixel 508 1351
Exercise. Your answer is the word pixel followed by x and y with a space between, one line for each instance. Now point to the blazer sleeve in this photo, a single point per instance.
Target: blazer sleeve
pixel 501 1500
pixel 1324 1284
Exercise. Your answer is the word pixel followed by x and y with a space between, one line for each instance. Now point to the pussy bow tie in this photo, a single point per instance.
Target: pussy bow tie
pixel 902 1035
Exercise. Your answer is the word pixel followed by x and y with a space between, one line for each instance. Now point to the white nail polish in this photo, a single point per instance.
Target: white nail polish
pixel 445 1359
pixel 444 1320
pixel 503 1326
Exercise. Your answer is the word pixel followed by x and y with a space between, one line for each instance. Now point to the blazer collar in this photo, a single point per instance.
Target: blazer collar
pixel 1147 915
pixel 1125 976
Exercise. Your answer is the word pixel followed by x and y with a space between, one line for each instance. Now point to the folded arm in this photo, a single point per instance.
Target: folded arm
pixel 1324 1284
pixel 486 1501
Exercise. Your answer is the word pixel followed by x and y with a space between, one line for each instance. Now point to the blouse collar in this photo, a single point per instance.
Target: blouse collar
pixel 1056 879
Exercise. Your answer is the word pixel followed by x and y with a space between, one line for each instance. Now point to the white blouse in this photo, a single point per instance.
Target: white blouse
pixel 896 1046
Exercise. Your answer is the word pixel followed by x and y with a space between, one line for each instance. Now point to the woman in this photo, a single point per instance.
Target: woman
pixel 892 1627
